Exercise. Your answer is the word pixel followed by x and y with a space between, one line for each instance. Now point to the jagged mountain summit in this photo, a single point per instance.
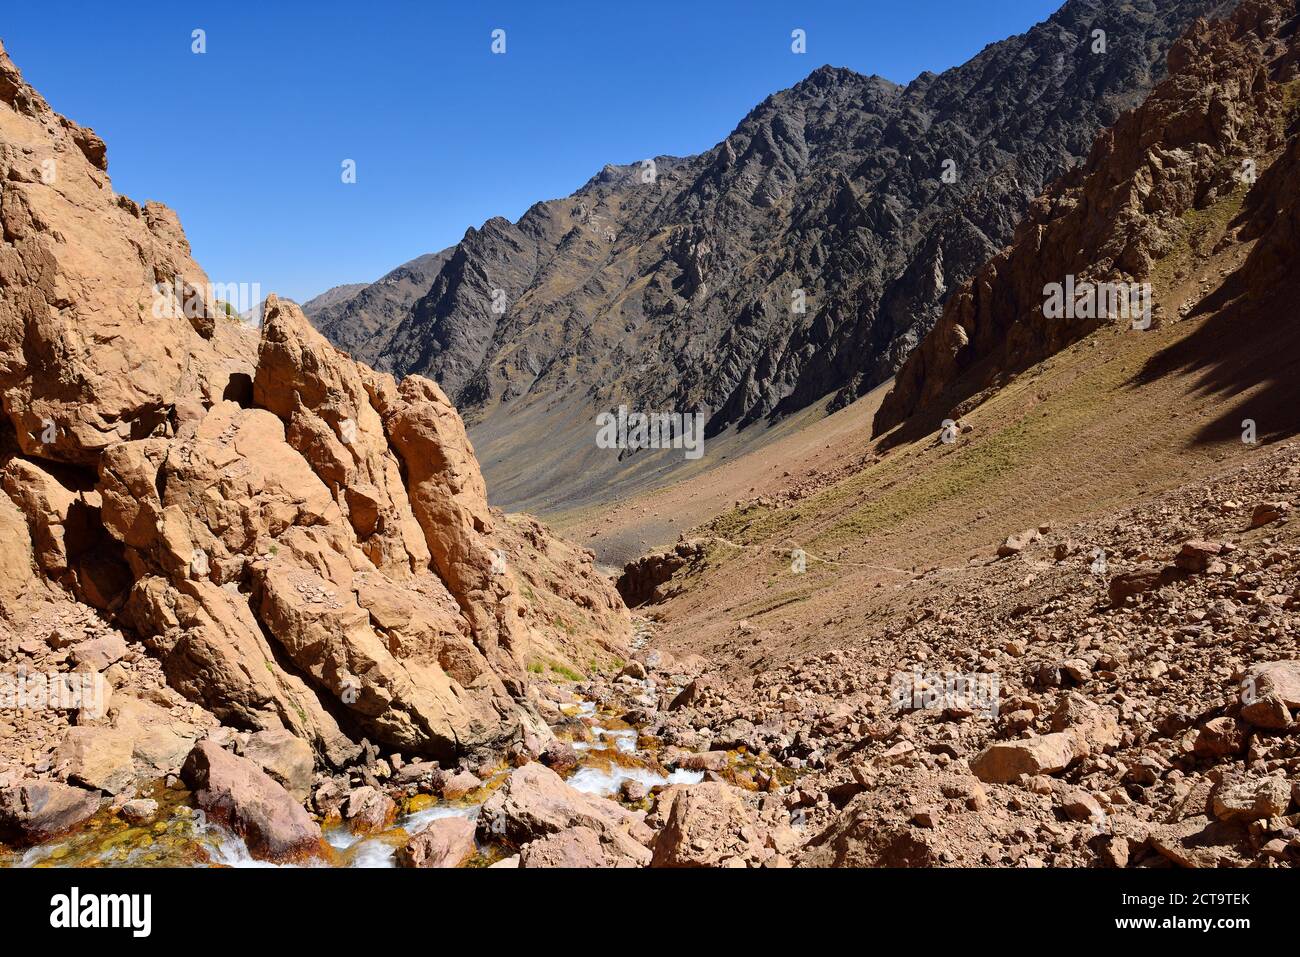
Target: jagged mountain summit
pixel 803 257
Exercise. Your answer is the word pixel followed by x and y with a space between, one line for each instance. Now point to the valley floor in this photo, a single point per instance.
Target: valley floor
pixel 1047 549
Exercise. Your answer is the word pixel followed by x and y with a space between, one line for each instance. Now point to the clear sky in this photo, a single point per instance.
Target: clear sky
pixel 247 140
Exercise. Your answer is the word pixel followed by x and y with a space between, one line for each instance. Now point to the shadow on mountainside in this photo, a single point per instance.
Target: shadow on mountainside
pixel 1246 357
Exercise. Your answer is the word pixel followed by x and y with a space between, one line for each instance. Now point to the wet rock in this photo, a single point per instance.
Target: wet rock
pixel 460 784
pixel 534 801
pixel 140 811
pixel 447 842
pixel 424 775
pixel 633 791
pixel 239 794
pixel 369 810
pixel 286 757
pixel 32 812
pixel 559 756
pixel 702 761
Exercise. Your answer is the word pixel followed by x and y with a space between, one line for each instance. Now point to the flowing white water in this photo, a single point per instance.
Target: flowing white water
pixel 606 761
pixel 606 781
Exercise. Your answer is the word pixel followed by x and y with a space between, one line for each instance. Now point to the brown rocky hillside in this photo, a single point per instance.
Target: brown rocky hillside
pixel 1202 147
pixel 289 539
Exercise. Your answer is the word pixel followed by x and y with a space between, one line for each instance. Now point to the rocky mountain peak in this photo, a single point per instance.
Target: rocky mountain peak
pixel 865 202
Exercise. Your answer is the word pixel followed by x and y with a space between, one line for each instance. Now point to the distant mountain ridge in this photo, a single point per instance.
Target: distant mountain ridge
pixel 684 293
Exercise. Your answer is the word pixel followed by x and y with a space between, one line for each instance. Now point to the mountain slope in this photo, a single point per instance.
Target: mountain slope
pixel 355 317
pixel 1097 538
pixel 333 297
pixel 683 294
pixel 1165 173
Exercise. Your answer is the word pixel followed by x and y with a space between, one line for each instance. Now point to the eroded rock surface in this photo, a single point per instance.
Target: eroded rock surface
pixel 293 542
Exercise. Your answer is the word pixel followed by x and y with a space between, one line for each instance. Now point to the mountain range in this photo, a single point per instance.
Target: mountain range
pixel 798 262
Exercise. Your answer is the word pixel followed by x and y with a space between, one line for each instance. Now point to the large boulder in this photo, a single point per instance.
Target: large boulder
pixel 712 825
pixel 100 758
pixel 237 793
pixel 285 757
pixel 447 842
pixel 580 847
pixel 35 811
pixel 912 817
pixel 534 801
pixel 1270 692
pixel 1003 762
pixel 369 810
pixel 1245 799
pixel 1095 727
pixel 98 653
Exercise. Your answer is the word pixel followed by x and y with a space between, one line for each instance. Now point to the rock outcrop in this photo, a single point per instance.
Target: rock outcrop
pixel 303 543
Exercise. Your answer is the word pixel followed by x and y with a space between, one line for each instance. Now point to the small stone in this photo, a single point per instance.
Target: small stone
pixel 1017 543
pixel 140 811
pixel 1003 762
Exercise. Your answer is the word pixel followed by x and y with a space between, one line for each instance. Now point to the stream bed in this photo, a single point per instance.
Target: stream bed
pixel 610 752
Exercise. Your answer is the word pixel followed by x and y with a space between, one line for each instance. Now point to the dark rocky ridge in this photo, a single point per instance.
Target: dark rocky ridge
pixel 356 316
pixel 678 294
pixel 1226 101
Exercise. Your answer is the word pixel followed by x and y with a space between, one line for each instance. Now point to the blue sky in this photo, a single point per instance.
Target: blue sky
pixel 247 140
